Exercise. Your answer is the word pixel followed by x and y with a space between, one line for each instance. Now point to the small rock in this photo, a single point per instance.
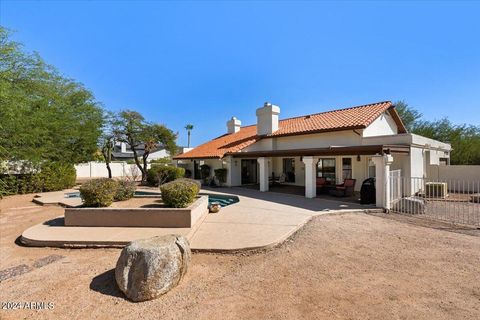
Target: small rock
pixel 148 268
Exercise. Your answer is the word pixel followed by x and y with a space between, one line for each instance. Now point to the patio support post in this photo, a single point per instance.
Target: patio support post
pixel 263 163
pixel 382 180
pixel 310 177
pixel 228 163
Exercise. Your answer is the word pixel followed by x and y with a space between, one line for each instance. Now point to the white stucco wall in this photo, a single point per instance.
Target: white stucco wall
pixel 383 125
pixel 458 177
pixel 158 154
pixel 417 162
pixel 317 140
pixel 99 170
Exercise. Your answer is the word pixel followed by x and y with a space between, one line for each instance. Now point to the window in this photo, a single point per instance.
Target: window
pixel 326 169
pixel 289 169
pixel 346 168
pixel 443 161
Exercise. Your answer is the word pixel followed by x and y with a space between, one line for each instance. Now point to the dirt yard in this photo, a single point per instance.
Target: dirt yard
pixel 351 266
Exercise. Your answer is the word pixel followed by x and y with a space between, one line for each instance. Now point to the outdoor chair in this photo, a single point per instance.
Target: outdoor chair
pixel 273 180
pixel 345 189
pixel 321 184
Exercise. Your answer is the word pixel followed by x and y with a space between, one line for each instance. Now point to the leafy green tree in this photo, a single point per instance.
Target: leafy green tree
pixel 410 117
pixel 43 115
pixel 464 138
pixel 107 140
pixel 132 128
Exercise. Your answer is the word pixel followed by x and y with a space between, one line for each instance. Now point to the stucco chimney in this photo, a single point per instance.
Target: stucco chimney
pixel 267 119
pixel 233 125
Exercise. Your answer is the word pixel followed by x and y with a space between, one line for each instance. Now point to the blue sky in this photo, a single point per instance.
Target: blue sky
pixel 203 62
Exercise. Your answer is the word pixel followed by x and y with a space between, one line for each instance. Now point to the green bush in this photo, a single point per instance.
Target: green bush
pixel 221 175
pixel 158 175
pixel 179 194
pixel 98 192
pixel 125 190
pixel 48 176
pixel 198 183
pixel 57 176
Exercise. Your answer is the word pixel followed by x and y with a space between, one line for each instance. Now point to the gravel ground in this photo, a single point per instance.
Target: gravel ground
pixel 350 266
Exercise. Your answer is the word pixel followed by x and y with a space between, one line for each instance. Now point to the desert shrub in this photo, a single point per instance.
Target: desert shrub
pixel 98 192
pixel 158 175
pixel 179 194
pixel 161 161
pixel 221 175
pixel 47 176
pixel 57 176
pixel 199 185
pixel 125 190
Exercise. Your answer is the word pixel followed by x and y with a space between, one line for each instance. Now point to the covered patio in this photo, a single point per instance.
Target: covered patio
pixel 300 191
pixel 314 172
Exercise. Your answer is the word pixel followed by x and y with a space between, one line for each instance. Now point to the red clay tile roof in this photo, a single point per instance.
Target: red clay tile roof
pixel 344 119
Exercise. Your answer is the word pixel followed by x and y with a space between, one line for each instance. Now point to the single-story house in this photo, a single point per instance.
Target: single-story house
pixel 356 142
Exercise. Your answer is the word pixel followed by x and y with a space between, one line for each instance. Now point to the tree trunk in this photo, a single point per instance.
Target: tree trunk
pixel 188 144
pixel 137 162
pixel 109 170
pixel 145 167
pixel 106 155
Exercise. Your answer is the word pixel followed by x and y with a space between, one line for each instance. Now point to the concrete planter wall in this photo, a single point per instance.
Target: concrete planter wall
pixel 138 217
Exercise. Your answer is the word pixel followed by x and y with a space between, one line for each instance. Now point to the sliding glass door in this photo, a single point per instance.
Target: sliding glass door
pixel 289 169
pixel 249 171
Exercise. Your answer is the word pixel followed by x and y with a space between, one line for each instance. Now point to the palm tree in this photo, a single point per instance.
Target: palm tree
pixel 189 128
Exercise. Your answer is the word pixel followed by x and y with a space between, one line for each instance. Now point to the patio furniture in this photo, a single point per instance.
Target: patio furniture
pixel 321 184
pixel 345 189
pixel 277 180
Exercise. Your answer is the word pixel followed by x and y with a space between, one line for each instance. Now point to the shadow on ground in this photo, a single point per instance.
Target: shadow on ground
pixel 55 222
pixel 316 204
pixel 105 284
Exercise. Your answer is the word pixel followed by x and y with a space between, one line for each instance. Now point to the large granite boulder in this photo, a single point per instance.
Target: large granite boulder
pixel 149 268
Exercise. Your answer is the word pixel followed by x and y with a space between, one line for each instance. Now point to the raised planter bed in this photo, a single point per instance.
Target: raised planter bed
pixel 138 217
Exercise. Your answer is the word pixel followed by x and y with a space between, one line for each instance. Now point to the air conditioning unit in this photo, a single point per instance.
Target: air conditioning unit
pixel 436 190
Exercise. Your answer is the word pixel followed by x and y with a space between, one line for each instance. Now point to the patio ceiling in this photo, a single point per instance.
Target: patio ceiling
pixel 331 151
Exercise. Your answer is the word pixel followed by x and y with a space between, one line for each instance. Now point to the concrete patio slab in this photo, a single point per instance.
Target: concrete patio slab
pixel 57 198
pixel 258 220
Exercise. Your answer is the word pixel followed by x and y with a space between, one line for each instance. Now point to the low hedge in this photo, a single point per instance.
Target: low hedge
pixel 98 192
pixel 125 190
pixel 158 175
pixel 198 183
pixel 48 176
pixel 179 193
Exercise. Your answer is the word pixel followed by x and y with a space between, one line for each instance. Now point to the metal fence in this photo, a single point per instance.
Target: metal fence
pixel 456 201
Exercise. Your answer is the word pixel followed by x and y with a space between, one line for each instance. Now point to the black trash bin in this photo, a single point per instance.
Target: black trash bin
pixel 367 192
